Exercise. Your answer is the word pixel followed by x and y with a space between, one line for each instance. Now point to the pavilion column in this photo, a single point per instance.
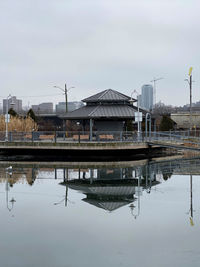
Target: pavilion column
pixel 91 124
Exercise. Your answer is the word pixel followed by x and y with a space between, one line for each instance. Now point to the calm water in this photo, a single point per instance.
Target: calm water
pixel 124 215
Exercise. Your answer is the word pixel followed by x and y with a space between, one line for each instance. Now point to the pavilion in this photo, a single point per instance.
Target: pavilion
pixel 108 110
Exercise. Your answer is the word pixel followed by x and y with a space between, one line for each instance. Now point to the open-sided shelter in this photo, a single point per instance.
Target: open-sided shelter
pixel 108 110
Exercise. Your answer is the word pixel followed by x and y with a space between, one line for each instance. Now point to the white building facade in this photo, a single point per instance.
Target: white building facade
pixel 147 97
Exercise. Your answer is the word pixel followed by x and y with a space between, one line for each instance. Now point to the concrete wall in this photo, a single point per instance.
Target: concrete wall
pixel 183 120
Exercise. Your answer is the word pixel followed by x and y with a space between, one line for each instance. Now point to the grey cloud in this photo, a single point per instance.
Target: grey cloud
pixel 97 45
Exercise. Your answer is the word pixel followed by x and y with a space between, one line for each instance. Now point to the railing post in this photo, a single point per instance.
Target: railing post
pixel 55 136
pixel 120 135
pixel 91 126
pixel 79 137
pixel 10 137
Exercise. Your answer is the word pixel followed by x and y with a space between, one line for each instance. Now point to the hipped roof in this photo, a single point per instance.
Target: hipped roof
pixel 108 95
pixel 103 111
pixel 106 104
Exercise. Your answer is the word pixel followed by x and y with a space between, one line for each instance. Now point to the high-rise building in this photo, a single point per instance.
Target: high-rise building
pixel 13 103
pixel 147 96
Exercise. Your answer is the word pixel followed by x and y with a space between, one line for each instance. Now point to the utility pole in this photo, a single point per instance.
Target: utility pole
pixel 190 86
pixel 66 98
pixel 190 101
pixel 65 91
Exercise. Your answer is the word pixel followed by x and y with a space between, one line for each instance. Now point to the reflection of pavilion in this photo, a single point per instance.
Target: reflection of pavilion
pixel 106 196
pixel 109 194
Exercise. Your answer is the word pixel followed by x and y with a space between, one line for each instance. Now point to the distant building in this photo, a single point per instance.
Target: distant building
pixel 183 120
pixel 61 106
pixel 13 103
pixel 140 100
pixel 147 97
pixel 43 108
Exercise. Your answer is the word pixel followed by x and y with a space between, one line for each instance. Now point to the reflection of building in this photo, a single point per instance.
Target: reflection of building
pixel 106 196
pixel 13 103
pixel 111 188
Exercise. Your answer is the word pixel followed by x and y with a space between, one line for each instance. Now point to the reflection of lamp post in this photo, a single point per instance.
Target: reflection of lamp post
pixel 65 91
pixel 12 201
pixel 132 205
pixel 191 203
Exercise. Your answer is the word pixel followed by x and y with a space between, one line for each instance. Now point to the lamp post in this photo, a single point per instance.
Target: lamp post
pixel 154 87
pixel 65 91
pixel 138 121
pixel 190 85
pixel 7 119
pixel 148 118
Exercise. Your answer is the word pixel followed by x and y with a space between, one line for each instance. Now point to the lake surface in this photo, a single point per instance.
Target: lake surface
pixel 130 214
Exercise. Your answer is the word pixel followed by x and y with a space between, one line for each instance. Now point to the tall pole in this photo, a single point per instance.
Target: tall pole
pixel 6 139
pixel 191 204
pixel 190 83
pixel 154 88
pixel 138 122
pixel 66 98
pixel 65 91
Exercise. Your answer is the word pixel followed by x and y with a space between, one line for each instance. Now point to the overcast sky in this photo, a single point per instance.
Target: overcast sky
pixel 98 44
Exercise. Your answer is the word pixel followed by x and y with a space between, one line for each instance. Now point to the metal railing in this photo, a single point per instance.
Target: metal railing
pixel 69 136
pixel 99 136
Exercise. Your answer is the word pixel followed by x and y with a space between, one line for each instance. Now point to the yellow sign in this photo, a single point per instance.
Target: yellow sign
pixel 190 71
pixel 191 221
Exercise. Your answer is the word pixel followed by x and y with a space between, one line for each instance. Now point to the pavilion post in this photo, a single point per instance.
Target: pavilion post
pixel 91 124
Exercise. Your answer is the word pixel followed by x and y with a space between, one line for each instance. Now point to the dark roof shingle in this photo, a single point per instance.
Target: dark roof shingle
pixel 107 95
pixel 103 111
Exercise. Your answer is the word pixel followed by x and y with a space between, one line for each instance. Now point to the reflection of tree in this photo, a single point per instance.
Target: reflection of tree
pixel 166 176
pixel 20 176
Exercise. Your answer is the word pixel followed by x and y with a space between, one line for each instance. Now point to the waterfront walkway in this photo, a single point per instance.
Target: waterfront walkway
pixel 100 144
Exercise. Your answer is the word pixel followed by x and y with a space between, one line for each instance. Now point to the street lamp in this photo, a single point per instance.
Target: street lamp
pixel 190 85
pixel 154 87
pixel 65 91
pixel 7 117
pixel 138 121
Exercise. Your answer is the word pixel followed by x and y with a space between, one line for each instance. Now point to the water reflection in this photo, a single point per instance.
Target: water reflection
pixel 80 214
pixel 106 187
pixel 111 188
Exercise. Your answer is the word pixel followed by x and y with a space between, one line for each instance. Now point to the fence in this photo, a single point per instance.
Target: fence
pixel 98 136
pixel 67 136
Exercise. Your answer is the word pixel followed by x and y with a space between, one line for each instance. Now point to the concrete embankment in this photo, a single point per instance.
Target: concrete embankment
pixel 90 151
